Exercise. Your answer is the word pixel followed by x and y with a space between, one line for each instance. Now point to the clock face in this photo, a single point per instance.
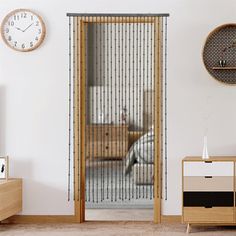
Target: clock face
pixel 23 30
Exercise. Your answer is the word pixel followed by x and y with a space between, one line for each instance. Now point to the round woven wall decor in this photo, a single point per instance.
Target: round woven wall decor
pixel 219 53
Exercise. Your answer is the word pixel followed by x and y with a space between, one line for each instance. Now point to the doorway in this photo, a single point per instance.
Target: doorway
pixel 117 93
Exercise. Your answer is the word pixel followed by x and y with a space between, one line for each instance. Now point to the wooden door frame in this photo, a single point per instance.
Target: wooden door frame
pixel 80 109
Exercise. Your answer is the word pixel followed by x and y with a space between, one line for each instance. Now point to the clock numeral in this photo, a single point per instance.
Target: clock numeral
pixel 16 17
pixel 12 23
pixel 32 17
pixel 7 30
pixel 15 43
pixel 24 15
pixel 40 31
pixel 9 38
pixel 36 38
pixel 31 44
pixel 23 46
pixel 37 23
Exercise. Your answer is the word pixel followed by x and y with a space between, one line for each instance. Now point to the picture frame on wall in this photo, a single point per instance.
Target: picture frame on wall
pixel 4 168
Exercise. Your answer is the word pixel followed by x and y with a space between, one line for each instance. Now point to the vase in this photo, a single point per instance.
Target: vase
pixel 205 155
pixel 222 63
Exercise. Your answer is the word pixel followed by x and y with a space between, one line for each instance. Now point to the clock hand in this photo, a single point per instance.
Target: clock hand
pixel 19 29
pixel 27 27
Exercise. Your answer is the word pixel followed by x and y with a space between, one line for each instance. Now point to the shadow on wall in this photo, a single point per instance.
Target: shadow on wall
pixel 2 121
pixel 36 199
pixel 40 196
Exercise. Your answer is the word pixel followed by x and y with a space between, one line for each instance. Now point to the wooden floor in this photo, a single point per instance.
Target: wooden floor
pixel 119 214
pixel 111 229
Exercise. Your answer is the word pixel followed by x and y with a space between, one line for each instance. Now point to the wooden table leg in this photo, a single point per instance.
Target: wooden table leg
pixel 188 229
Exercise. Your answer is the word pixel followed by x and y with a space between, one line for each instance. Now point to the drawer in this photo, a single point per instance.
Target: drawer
pixel 201 168
pixel 115 149
pixel 107 149
pixel 208 199
pixel 107 133
pixel 208 215
pixel 208 183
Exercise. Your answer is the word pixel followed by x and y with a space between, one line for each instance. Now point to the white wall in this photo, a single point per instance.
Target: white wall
pixel 34 87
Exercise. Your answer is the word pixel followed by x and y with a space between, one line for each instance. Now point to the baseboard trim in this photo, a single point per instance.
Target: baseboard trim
pixel 67 219
pixel 171 219
pixel 34 219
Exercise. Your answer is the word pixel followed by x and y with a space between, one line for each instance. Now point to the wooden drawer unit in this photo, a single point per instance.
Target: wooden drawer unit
pixel 208 190
pixel 208 215
pixel 107 141
pixel 10 197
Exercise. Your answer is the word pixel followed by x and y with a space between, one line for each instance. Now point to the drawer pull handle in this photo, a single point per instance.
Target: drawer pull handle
pixel 107 133
pixel 107 147
pixel 208 206
pixel 208 161
pixel 208 177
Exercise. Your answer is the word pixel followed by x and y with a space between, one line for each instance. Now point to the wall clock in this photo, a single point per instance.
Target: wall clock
pixel 23 30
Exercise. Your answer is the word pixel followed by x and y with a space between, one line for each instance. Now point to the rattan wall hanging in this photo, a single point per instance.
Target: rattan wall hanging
pixel 219 53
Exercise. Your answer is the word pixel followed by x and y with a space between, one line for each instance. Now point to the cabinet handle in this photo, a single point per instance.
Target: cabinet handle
pixel 208 177
pixel 208 206
pixel 208 161
pixel 107 147
pixel 107 133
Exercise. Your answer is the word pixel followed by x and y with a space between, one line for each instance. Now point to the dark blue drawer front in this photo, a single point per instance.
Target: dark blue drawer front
pixel 208 199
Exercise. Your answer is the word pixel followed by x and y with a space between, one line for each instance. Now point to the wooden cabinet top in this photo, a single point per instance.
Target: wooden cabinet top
pixel 4 181
pixel 212 158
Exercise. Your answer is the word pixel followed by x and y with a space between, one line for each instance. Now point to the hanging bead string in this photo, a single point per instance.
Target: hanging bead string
pixel 78 115
pixel 166 118
pixel 136 87
pixel 74 54
pixel 103 97
pixel 162 106
pixel 69 151
pixel 147 99
pixel 97 83
pixel 111 110
pixel 116 122
pixel 152 97
pixel 120 47
pixel 100 98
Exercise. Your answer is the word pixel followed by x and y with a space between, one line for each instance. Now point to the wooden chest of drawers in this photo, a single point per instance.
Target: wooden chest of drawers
pixel 208 190
pixel 106 141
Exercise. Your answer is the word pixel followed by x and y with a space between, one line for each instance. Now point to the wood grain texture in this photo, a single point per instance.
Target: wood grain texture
pixel 157 124
pixel 212 158
pixel 107 141
pixel 41 219
pixel 97 215
pixel 82 109
pixel 123 20
pixel 81 93
pixel 10 197
pixel 133 136
pixel 208 215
